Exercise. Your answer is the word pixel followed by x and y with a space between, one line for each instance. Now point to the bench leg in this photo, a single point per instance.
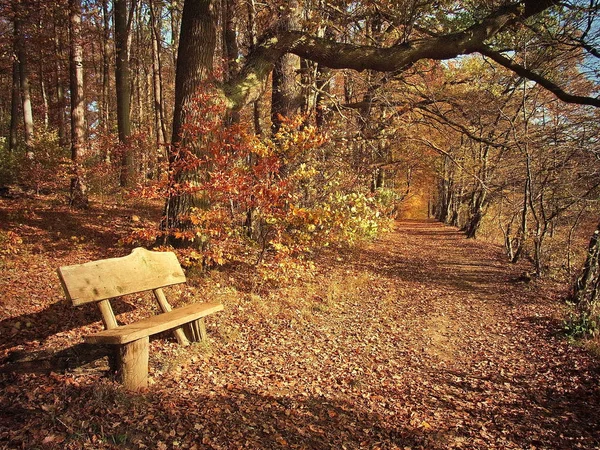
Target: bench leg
pixel 180 336
pixel 133 364
pixel 197 330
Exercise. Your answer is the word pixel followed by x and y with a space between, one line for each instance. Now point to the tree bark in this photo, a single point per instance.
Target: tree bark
pixel 24 80
pixel 14 108
pixel 230 46
pixel 286 98
pixel 123 87
pixel 586 291
pixel 78 194
pixel 251 30
pixel 106 43
pixel 175 28
pixel 44 93
pixel 60 113
pixel 194 67
pixel 323 86
pixel 159 115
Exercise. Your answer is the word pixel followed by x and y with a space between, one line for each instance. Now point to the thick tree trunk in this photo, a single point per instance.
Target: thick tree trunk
pixel 78 195
pixel 230 46
pixel 230 37
pixel 194 66
pixel 123 87
pixel 476 214
pixel 586 291
pixel 287 97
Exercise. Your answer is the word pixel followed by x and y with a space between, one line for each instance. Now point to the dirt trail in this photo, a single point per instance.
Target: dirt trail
pixel 422 339
pixel 490 366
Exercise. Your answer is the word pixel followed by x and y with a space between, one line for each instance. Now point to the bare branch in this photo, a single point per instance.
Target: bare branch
pixel 542 81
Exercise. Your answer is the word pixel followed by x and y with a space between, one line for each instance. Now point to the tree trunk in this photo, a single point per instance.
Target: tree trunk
pixel 230 47
pixel 106 44
pixel 123 86
pixel 43 92
pixel 60 118
pixel 78 196
pixel 476 215
pixel 194 66
pixel 323 88
pixel 159 115
pixel 522 233
pixel 251 30
pixel 287 95
pixel 21 52
pixel 14 108
pixel 175 26
pixel 586 291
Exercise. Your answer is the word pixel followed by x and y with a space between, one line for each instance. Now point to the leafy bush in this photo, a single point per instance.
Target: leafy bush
pixel 9 167
pixel 44 166
pixel 276 197
pixel 581 324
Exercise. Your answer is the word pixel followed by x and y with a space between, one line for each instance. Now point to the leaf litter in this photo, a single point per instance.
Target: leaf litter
pixel 419 340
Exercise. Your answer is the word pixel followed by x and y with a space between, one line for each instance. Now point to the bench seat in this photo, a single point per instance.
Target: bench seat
pixel 154 324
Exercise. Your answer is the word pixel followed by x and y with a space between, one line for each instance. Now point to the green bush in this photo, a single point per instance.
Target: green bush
pixel 580 324
pixel 9 167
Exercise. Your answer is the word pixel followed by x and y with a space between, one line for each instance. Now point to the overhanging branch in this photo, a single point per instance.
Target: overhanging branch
pixel 247 86
pixel 542 81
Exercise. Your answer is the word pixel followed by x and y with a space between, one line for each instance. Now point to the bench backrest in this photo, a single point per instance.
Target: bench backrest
pixel 142 270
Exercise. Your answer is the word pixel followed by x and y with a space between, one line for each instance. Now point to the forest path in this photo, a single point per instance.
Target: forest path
pixel 421 339
pixel 489 366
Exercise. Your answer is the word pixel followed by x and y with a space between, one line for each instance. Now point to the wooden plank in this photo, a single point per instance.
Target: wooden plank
pixel 133 364
pixel 142 270
pixel 155 324
pixel 166 307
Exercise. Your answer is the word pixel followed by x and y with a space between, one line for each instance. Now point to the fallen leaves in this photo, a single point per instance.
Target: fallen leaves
pixel 414 341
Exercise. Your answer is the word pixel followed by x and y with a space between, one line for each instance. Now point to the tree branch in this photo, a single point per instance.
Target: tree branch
pixel 542 81
pixel 248 85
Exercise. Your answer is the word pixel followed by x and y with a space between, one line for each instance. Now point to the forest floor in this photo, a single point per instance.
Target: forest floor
pixel 421 339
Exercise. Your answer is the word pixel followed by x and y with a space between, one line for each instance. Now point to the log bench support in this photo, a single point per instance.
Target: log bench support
pixel 133 364
pixel 142 270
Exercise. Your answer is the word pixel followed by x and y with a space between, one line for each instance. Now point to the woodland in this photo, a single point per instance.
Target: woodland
pixel 395 201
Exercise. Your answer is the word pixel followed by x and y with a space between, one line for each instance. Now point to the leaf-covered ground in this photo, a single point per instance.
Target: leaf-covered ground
pixel 422 339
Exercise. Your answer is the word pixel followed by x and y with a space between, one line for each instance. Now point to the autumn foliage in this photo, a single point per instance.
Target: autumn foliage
pixel 278 197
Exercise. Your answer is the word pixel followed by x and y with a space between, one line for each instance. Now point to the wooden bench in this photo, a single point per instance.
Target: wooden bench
pixel 142 270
